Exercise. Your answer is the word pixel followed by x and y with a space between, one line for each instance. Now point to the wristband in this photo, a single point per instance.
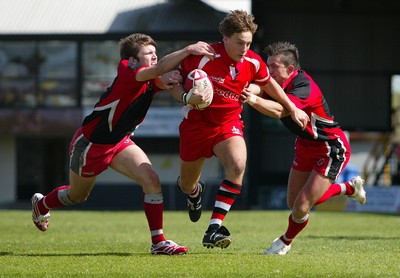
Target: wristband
pixel 184 98
pixel 251 99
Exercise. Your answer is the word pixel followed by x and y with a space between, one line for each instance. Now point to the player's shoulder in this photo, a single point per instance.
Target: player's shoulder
pixel 125 67
pixel 254 59
pixel 218 47
pixel 252 54
pixel 194 61
pixel 302 79
pixel 300 85
pixel 189 63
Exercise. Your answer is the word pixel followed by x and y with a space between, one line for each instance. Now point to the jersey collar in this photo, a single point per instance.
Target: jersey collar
pixel 294 74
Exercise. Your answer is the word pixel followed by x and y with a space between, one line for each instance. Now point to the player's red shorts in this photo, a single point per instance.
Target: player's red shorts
pixel 327 158
pixel 199 138
pixel 88 159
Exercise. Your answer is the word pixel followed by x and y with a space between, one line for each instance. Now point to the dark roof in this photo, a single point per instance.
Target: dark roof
pixel 172 16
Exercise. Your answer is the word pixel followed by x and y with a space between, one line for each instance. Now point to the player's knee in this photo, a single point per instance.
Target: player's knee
pixel 71 196
pixel 151 183
pixel 78 199
pixel 236 170
pixel 300 211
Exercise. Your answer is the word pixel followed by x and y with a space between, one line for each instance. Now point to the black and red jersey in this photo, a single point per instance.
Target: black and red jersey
pixel 306 95
pixel 120 109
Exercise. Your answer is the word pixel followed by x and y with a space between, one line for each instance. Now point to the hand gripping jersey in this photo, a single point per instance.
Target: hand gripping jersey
pixel 229 79
pixel 306 95
pixel 120 109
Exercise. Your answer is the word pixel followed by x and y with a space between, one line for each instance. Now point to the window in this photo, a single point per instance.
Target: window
pixel 57 74
pixel 17 74
pixel 38 74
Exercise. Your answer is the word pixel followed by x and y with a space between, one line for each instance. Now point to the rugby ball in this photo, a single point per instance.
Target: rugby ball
pixel 199 80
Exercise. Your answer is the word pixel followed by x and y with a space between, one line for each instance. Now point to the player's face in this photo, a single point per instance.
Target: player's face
pixel 147 55
pixel 237 45
pixel 277 69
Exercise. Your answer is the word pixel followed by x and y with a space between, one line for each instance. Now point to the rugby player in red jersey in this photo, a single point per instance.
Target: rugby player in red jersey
pixel 322 150
pixel 218 129
pixel 104 140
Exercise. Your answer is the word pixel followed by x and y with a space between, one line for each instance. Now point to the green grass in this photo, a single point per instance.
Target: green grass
pixel 116 244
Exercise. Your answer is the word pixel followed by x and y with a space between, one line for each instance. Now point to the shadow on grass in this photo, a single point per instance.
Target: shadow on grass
pixel 73 254
pixel 352 237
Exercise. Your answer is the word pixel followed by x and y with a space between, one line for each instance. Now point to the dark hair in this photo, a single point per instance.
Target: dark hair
pixel 130 45
pixel 237 21
pixel 289 53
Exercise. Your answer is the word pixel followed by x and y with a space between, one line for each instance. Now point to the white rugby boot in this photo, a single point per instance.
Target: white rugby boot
pixel 41 221
pixel 359 193
pixel 278 247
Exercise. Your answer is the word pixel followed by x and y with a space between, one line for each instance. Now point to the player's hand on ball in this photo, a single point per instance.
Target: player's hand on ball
pixel 198 97
pixel 171 78
pixel 199 89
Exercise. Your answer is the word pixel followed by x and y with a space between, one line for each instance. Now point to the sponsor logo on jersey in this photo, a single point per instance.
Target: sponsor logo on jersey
pixel 217 79
pixel 226 94
pixel 88 173
pixel 235 130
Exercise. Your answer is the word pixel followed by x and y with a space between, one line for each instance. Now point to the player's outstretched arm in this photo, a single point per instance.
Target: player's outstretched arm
pixel 267 107
pixel 276 92
pixel 172 60
pixel 169 79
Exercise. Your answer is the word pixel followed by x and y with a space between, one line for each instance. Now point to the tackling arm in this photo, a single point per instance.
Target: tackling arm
pixel 172 60
pixel 276 92
pixel 267 107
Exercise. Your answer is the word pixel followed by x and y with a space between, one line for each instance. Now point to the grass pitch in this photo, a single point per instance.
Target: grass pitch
pixel 117 244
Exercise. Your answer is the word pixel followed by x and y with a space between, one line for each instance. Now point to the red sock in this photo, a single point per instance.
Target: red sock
pixel 294 228
pixel 334 190
pixel 349 188
pixel 153 208
pixel 51 200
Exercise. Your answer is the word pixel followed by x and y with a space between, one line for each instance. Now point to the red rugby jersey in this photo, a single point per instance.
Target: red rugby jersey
pixel 229 79
pixel 120 109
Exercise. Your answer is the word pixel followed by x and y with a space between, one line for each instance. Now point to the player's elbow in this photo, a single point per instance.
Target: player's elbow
pixel 276 114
